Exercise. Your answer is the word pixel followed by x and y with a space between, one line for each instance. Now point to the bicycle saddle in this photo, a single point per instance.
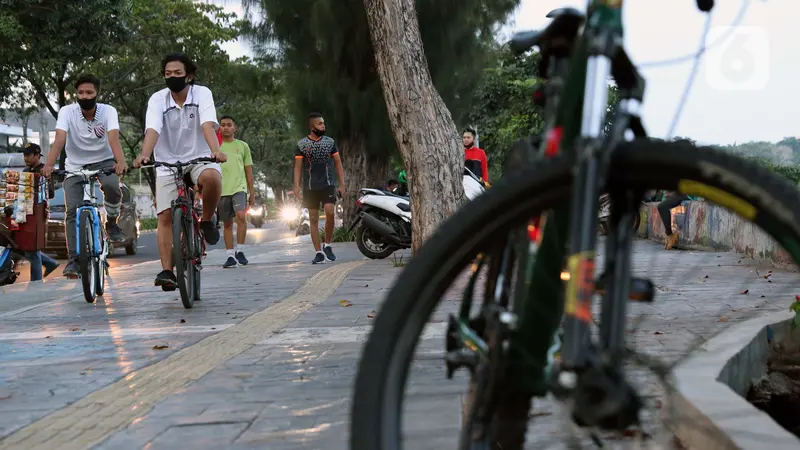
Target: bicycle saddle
pixel 561 32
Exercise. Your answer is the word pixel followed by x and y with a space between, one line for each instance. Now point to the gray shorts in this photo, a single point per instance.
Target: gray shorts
pixel 229 205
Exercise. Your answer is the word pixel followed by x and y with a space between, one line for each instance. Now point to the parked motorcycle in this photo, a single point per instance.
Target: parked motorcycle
pixel 604 216
pixel 383 221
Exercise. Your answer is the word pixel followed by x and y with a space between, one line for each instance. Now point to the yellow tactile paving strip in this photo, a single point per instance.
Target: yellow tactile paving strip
pixel 90 420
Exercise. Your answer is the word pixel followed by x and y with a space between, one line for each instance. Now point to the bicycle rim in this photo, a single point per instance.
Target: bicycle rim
pixel 383 369
pixel 86 258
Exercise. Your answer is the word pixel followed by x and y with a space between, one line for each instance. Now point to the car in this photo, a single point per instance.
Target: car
pixel 128 221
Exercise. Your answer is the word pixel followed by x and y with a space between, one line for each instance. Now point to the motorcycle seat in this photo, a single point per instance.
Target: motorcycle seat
pixel 392 194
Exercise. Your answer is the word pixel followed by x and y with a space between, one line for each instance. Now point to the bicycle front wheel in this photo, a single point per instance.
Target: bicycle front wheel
pixel 86 257
pixel 752 192
pixel 183 254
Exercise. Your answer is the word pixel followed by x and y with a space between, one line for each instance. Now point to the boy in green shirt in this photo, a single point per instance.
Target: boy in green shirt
pixel 237 180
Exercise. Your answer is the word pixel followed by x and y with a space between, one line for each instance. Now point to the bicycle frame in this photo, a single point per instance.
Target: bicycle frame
pixel 89 203
pixel 574 121
pixel 579 124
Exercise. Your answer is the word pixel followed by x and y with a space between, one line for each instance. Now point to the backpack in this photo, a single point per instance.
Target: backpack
pixel 8 275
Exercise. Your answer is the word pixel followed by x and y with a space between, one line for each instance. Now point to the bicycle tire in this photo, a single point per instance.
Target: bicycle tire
pixel 100 268
pixel 86 256
pixel 198 246
pixel 640 164
pixel 182 255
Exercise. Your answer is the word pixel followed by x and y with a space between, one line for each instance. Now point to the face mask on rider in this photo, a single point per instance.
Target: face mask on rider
pixel 176 84
pixel 87 104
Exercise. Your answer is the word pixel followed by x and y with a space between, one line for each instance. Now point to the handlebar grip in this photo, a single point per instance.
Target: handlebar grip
pixel 705 5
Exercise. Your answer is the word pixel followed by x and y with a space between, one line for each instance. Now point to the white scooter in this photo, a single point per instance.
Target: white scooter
pixel 384 218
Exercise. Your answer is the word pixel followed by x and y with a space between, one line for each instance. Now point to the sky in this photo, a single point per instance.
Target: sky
pixel 747 86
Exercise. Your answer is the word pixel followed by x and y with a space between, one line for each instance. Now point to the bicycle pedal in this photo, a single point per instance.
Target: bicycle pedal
pixel 639 289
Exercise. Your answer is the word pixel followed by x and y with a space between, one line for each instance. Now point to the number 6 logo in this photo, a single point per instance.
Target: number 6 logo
pixel 738 58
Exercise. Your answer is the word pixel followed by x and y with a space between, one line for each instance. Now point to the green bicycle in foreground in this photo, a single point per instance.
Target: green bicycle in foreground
pixel 538 223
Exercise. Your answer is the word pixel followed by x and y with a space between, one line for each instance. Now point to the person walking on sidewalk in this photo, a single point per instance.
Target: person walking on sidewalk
pixel 180 124
pixel 315 158
pixel 89 132
pixel 238 191
pixel 33 159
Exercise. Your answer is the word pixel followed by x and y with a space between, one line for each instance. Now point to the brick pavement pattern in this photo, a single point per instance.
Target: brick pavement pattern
pixel 282 379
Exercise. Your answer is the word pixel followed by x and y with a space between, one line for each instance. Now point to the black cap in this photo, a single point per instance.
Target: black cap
pixel 32 149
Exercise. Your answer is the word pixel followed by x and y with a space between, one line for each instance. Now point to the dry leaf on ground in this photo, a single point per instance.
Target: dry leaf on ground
pixel 371 314
pixel 160 347
pixel 345 303
pixel 723 319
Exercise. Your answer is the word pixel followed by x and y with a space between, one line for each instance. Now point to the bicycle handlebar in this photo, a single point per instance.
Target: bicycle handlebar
pixel 85 173
pixel 180 165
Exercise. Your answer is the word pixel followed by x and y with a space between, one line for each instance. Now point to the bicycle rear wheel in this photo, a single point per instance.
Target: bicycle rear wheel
pixel 752 192
pixel 86 257
pixel 183 254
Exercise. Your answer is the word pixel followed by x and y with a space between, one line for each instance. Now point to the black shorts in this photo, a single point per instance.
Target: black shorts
pixel 312 198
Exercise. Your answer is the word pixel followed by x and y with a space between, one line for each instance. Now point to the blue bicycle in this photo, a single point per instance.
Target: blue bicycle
pixel 91 241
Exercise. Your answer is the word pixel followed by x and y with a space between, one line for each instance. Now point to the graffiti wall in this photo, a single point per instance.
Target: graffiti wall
pixel 706 226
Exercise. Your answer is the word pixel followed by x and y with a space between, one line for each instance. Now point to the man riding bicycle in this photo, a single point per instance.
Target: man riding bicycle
pixel 89 132
pixel 181 125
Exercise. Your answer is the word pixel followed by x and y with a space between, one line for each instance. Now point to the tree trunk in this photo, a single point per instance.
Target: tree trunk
pixel 422 125
pixel 25 120
pixel 361 169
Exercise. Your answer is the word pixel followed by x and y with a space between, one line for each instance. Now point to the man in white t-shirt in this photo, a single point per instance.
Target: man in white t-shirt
pixel 181 125
pixel 89 132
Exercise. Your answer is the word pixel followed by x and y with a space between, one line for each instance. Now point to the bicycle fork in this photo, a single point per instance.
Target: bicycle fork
pixel 590 176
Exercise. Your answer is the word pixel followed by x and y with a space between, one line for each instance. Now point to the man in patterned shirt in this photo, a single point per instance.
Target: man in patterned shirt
pixel 315 158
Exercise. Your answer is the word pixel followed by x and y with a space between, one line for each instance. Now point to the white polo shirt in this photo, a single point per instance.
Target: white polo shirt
pixel 186 134
pixel 87 140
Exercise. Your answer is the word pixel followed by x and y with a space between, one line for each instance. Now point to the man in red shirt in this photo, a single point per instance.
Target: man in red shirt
pixel 474 157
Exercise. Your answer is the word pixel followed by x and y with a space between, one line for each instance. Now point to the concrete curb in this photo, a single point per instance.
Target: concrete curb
pixel 708 404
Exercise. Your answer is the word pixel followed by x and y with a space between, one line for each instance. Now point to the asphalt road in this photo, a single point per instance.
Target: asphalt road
pixel 148 250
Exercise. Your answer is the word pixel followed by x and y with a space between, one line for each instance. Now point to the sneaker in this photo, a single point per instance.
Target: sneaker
pixel 230 262
pixel 50 270
pixel 71 270
pixel 328 253
pixel 210 231
pixel 319 258
pixel 115 233
pixel 166 280
pixel 671 240
pixel 241 259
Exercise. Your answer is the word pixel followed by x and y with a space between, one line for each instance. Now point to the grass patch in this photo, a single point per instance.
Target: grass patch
pixel 340 234
pixel 148 224
pixel 397 261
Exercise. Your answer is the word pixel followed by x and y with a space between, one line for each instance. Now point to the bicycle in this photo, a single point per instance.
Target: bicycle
pixel 91 241
pixel 534 234
pixel 188 244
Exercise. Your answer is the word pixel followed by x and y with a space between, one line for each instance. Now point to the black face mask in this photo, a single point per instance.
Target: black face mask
pixel 317 132
pixel 176 84
pixel 87 104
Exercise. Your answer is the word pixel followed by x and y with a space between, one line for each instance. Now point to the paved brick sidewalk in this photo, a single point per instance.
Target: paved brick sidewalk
pixel 57 351
pixel 292 389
